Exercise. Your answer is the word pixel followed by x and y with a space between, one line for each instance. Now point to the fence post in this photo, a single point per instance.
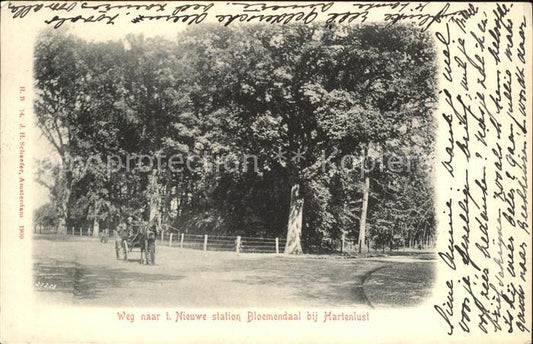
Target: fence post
pixel 205 242
pixel 342 246
pixel 238 244
pixel 81 233
pixel 277 245
pixel 170 240
pixel 162 235
pixel 181 240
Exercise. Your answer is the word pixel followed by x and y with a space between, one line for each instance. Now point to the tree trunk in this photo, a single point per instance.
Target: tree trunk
pixel 64 205
pixel 96 227
pixel 153 197
pixel 364 210
pixel 96 220
pixel 63 214
pixel 294 228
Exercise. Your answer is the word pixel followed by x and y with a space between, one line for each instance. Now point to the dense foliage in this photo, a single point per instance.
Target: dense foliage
pixel 228 101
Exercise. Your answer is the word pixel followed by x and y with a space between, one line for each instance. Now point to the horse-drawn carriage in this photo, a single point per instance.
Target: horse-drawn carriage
pixel 139 238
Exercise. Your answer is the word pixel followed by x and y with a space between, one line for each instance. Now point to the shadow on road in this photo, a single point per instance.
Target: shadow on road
pixel 401 285
pixel 331 282
pixel 86 282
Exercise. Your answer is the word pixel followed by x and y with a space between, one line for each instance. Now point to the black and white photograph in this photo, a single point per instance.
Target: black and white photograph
pixel 197 168
pixel 323 167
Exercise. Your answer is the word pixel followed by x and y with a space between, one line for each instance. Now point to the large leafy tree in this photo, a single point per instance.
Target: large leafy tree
pixel 275 110
pixel 385 76
pixel 57 78
pixel 309 89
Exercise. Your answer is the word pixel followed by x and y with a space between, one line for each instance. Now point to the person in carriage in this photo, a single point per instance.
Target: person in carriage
pixel 126 236
pixel 134 232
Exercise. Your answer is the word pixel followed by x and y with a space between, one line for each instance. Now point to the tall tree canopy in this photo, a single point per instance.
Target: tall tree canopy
pixel 275 111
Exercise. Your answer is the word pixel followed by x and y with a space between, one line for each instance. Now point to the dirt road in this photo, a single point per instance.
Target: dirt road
pixel 86 272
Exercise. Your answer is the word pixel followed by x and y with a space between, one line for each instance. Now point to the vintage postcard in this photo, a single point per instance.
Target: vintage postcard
pixel 266 172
